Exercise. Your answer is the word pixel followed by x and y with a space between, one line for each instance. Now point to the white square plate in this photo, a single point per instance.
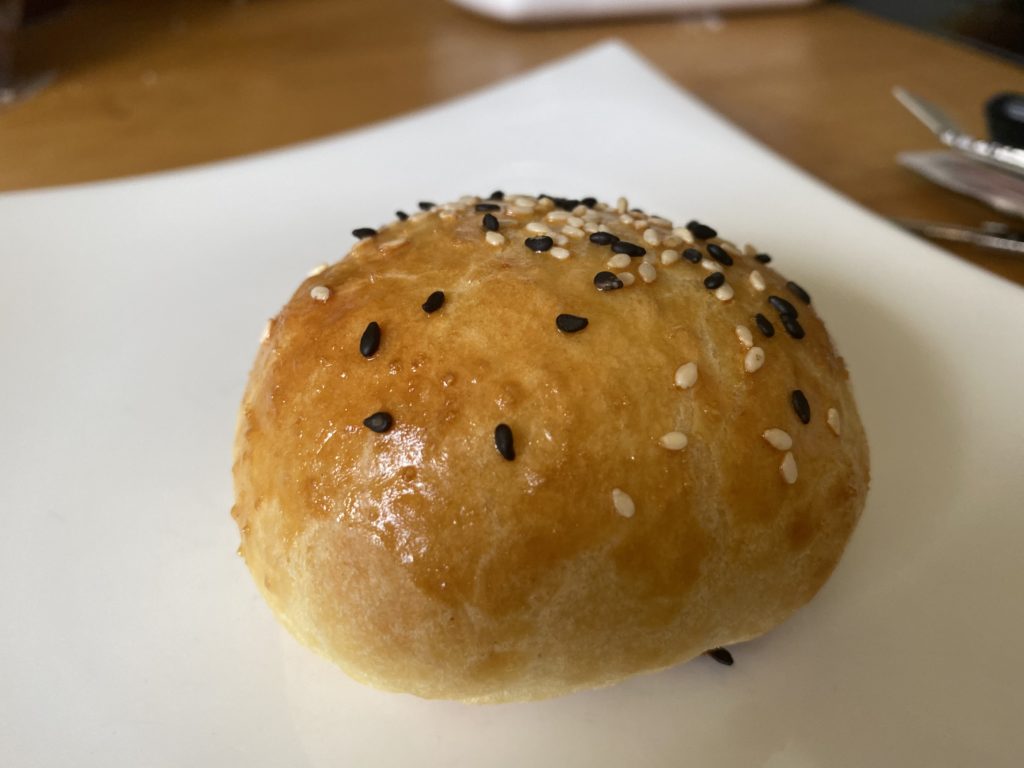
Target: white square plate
pixel 130 312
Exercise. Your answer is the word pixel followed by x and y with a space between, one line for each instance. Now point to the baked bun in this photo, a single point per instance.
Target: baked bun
pixel 594 455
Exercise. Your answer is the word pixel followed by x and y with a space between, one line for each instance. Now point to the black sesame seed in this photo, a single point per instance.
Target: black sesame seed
pixel 721 655
pixel 490 222
pixel 607 281
pixel 801 406
pixel 590 202
pixel 434 302
pixel 364 232
pixel 379 422
pixel 693 255
pixel 425 206
pixel 603 238
pixel 782 306
pixel 792 326
pixel 764 325
pixel 701 231
pixel 481 207
pixel 566 204
pixel 402 215
pixel 799 292
pixel 496 195
pixel 539 244
pixel 503 441
pixel 630 249
pixel 571 323
pixel 370 341
pixel 714 280
pixel 764 258
pixel 718 253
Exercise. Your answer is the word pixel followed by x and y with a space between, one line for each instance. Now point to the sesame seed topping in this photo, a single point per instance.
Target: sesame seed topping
pixel 496 195
pixel 490 222
pixel 756 281
pixel 630 249
pixel 266 331
pixel 561 240
pixel 538 228
pixel 621 205
pixel 799 292
pixel 560 253
pixel 619 261
pixel 714 280
pixel 671 241
pixel 591 227
pixel 684 234
pixel 673 441
pixel 720 655
pixel 651 236
pixel 481 207
pixel 557 216
pixel 623 503
pixel 660 221
pixel 379 422
pixel 607 281
pixel 525 202
pixel 647 272
pixel 725 293
pixel 745 336
pixel 588 202
pixel 369 342
pixel 574 221
pixel 754 360
pixel 627 278
pixel 364 232
pixel 574 232
pixel 718 253
pixel 764 258
pixel 686 375
pixel 626 219
pixel 539 244
pixel 401 215
pixel 603 238
pixel 801 406
pixel 778 439
pixel 833 420
pixel 425 206
pixel 701 231
pixel 788 468
pixel 692 255
pixel 709 265
pixel 393 245
pixel 782 306
pixel 730 248
pixel 317 270
pixel 570 323
pixel 764 325
pixel 320 293
pixel 503 441
pixel 495 238
pixel 792 326
pixel 668 256
pixel 434 302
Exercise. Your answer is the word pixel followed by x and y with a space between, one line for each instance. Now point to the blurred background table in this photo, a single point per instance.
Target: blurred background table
pixel 145 87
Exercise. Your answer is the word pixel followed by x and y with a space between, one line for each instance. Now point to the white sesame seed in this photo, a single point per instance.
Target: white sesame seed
pixel 625 218
pixel 393 245
pixel 575 232
pixel 647 272
pixel 556 216
pixel 419 216
pixel 495 238
pixel 672 241
pixel 537 227
pixel 833 420
pixel 266 331
pixel 622 205
pixel 724 292
pixel 545 204
pixel 618 261
pixel 519 210
pixel 574 221
pixel 559 253
pixel 579 210
pixel 686 375
pixel 651 236
pixel 754 359
pixel 639 224
pixel 627 278
pixel 709 265
pixel 446 214
pixel 591 227
pixel 683 234
pixel 729 247
pixel 669 256
pixel 623 503
pixel 788 468
pixel 756 280
pixel 560 239
pixel 320 293
pixel 524 202
pixel 745 336
pixel 749 250
pixel 591 216
pixel 317 270
pixel 658 221
pixel 673 441
pixel 778 439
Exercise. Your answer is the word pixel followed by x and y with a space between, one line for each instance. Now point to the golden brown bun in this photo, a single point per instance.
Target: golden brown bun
pixel 421 560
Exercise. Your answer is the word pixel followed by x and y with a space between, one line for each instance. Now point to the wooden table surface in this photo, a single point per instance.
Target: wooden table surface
pixel 149 86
